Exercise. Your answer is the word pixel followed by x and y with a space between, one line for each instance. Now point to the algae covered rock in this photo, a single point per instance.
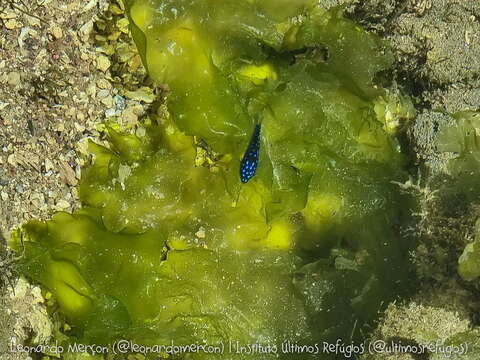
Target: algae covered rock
pixel 171 248
pixel 410 331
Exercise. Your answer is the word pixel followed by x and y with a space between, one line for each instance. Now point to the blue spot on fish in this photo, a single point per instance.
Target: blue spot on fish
pixel 249 163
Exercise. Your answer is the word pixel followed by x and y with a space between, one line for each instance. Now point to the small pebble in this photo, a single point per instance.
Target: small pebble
pixel 108 101
pixel 110 112
pixel 48 165
pixel 57 32
pixel 104 84
pixel 119 102
pixel 103 94
pixel 79 127
pixel 103 63
pixel 13 78
pixel 12 24
pixel 140 132
pixel 19 189
pixel 11 159
pixel 200 233
pixel 62 204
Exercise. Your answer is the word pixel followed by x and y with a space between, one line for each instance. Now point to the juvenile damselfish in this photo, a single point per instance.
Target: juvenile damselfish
pixel 249 163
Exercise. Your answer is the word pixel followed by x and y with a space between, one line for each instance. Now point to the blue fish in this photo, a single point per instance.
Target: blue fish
pixel 249 163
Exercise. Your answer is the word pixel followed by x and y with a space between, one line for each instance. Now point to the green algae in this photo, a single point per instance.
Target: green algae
pixel 431 331
pixel 469 261
pixel 460 139
pixel 307 251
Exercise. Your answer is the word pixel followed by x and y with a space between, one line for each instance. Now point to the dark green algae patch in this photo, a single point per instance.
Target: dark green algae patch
pixel 309 250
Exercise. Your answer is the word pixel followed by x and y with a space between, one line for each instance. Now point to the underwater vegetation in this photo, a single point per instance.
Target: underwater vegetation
pixel 461 138
pixel 170 246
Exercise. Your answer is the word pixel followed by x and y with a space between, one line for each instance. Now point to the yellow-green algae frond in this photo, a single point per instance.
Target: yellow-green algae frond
pixel 307 251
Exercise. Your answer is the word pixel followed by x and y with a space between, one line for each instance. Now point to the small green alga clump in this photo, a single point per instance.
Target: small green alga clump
pixel 308 250
pixel 469 262
pixel 460 140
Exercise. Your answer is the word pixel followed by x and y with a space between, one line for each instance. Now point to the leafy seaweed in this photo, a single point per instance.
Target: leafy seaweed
pixel 307 251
